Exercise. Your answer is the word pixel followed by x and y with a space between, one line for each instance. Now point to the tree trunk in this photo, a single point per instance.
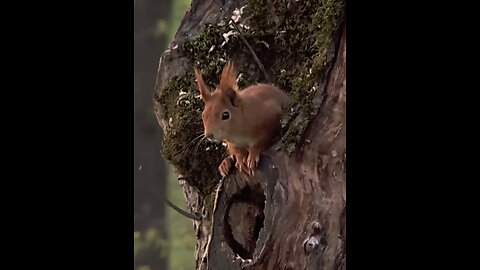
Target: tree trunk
pixel 291 214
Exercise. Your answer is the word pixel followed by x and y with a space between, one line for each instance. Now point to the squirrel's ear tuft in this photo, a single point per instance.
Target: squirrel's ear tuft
pixel 204 92
pixel 228 79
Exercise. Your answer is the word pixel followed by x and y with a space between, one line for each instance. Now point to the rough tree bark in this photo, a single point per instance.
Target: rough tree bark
pixel 291 214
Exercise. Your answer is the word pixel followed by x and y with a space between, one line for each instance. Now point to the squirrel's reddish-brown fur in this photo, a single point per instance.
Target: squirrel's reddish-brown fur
pixel 247 120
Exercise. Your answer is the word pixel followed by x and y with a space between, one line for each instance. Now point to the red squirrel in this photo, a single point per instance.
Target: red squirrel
pixel 246 120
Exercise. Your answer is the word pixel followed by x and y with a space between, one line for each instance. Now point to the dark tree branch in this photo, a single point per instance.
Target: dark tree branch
pixel 182 212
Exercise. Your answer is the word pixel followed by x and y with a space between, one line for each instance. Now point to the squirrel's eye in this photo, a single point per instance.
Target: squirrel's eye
pixel 225 115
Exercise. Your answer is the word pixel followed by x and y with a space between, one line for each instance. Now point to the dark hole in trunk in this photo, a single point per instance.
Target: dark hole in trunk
pixel 244 219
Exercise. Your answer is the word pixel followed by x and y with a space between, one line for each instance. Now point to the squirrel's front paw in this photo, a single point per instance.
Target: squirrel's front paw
pixel 225 166
pixel 252 162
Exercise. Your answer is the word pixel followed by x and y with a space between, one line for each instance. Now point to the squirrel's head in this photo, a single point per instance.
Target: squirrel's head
pixel 221 114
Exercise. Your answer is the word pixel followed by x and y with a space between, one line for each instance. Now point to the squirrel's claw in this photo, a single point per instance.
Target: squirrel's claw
pixel 242 166
pixel 252 163
pixel 225 166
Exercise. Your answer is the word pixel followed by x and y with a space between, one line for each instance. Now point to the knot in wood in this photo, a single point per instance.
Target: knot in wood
pixel 310 244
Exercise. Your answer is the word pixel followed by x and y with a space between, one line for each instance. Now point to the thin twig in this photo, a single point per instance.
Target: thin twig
pixel 182 212
pixel 260 65
pixel 176 208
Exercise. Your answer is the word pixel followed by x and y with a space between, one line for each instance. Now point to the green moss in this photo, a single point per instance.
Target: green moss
pixel 195 158
pixel 295 45
pixel 302 47
pixel 209 201
pixel 209 56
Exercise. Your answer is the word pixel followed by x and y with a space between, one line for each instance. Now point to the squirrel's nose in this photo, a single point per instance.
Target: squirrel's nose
pixel 209 136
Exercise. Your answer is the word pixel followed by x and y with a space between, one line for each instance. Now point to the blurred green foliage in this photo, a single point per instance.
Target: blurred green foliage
pixel 180 230
pixel 179 7
pixel 180 245
pixel 162 28
pixel 169 28
pixel 148 241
